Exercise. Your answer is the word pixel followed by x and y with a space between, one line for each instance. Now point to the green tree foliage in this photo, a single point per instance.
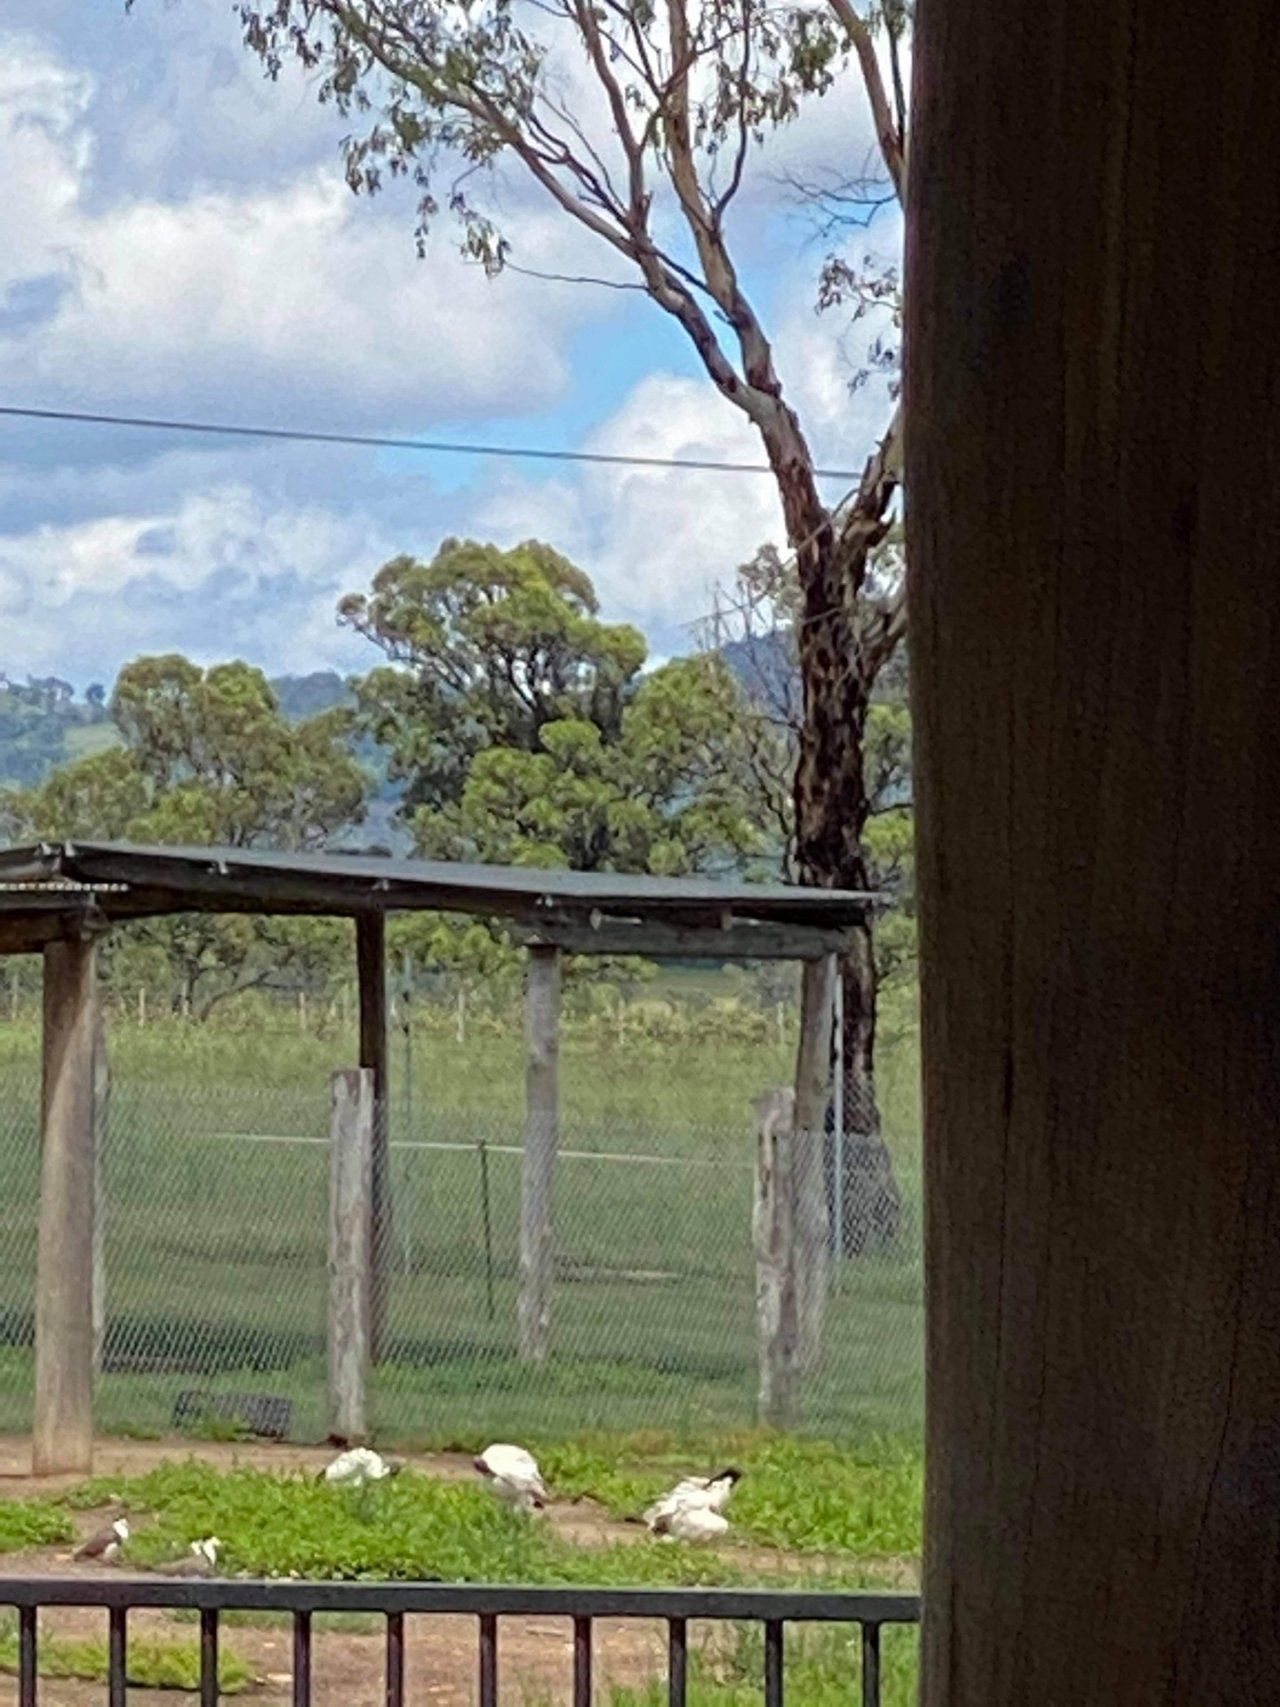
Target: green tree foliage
pixel 524 731
pixel 36 719
pixel 207 757
pixel 484 647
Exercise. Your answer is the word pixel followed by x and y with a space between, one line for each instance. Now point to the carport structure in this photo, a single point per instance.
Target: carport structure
pixel 59 899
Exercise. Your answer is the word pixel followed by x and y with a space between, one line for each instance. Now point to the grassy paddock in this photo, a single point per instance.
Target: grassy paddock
pixel 216 1236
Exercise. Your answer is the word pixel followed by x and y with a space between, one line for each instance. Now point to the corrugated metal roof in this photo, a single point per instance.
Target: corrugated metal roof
pixel 233 879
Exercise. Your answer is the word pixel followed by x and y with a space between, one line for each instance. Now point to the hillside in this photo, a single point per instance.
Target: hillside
pixel 44 723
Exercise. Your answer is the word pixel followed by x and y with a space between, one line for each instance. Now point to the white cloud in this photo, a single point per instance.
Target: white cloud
pixel 295 295
pixel 286 298
pixel 46 153
pixel 224 570
pixel 653 540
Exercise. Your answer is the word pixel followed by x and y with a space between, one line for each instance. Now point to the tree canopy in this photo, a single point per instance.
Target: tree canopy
pixel 521 728
pixel 207 757
pixel 641 120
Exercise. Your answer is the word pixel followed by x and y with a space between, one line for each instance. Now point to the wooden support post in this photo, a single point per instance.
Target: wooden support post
pixel 101 1111
pixel 541 1140
pixel 350 1250
pixel 62 1433
pixel 773 1235
pixel 812 1218
pixel 1093 532
pixel 371 964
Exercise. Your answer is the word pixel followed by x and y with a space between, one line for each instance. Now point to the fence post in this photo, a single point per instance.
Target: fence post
pixel 838 1122
pixel 101 1107
pixel 813 1082
pixel 62 1431
pixel 773 1235
pixel 538 1163
pixel 371 967
pixel 350 1248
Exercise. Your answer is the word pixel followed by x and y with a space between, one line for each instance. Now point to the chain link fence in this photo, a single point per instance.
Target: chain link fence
pixel 215 1258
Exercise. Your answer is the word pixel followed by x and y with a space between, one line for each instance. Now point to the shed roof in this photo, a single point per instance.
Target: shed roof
pixel 121 881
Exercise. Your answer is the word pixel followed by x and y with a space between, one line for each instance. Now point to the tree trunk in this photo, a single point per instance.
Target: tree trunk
pixel 831 812
pixel 1093 387
pixel 867 1209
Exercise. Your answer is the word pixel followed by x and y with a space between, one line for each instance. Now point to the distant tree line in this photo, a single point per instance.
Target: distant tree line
pixel 506 719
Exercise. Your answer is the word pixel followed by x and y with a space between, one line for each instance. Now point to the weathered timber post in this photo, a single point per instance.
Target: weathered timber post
pixel 538 1164
pixel 812 1215
pixel 62 1432
pixel 371 966
pixel 350 1250
pixel 1093 533
pixel 101 1113
pixel 773 1227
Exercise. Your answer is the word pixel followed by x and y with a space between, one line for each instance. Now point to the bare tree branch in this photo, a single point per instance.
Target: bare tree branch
pixel 892 144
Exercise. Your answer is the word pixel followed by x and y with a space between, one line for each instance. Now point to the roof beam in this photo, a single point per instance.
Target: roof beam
pixel 657 940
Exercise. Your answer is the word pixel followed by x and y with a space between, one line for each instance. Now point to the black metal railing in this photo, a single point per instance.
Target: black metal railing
pixel 677 1608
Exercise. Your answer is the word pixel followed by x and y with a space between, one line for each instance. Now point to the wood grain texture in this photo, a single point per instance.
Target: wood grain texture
pixel 1093 393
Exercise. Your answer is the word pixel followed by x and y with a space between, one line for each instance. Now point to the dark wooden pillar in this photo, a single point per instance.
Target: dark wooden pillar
pixel 1093 397
pixel 371 964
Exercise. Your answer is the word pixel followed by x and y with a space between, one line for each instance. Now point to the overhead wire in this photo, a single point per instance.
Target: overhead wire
pixel 379 441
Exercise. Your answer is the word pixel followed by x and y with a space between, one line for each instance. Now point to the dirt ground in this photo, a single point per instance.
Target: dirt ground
pixel 535 1655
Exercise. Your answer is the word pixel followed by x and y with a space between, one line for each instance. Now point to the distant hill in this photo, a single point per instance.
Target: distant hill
pixel 301 697
pixel 44 723
pixel 765 665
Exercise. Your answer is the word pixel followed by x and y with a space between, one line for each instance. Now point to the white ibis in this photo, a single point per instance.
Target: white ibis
pixel 695 1494
pixel 360 1466
pixel 514 1476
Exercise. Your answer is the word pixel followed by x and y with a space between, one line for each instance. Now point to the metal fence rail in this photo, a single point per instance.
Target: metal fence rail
pixel 677 1608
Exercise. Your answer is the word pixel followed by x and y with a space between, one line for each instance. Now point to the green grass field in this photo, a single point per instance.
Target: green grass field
pixel 216 1229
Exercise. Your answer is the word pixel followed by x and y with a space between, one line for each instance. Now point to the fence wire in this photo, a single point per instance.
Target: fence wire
pixel 216 1219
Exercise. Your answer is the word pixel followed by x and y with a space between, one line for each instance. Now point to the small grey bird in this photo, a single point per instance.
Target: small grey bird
pixel 201 1561
pixel 106 1544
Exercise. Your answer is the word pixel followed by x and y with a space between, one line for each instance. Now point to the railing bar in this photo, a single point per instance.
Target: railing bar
pixel 742 1605
pixel 773 1662
pixel 302 1659
pixel 27 1639
pixel 582 1662
pixel 488 1660
pixel 395 1659
pixel 117 1656
pixel 870 1665
pixel 677 1661
pixel 208 1656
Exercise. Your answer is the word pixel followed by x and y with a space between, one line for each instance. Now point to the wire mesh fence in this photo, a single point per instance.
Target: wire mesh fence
pixel 216 1218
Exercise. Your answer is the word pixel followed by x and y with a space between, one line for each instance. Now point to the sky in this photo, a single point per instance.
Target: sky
pixel 176 239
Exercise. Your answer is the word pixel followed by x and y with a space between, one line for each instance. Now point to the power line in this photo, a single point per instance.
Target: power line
pixel 374 441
